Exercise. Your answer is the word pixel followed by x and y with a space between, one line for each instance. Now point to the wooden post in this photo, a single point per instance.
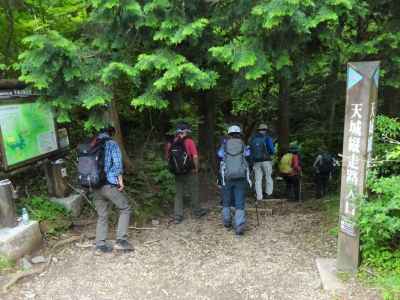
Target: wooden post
pixel 56 176
pixel 8 214
pixel 361 98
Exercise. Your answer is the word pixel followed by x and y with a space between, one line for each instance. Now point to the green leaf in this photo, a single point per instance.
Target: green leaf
pixel 283 61
pixel 149 100
pixel 94 95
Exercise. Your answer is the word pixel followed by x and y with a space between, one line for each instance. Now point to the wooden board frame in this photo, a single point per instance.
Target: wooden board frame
pixel 4 164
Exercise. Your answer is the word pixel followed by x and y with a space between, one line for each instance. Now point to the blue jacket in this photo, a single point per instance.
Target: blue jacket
pixel 113 165
pixel 268 142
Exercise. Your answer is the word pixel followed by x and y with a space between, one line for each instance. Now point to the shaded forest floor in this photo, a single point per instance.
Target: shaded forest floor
pixel 200 259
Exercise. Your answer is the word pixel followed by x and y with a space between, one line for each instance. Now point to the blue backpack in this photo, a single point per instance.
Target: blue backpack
pixel 258 148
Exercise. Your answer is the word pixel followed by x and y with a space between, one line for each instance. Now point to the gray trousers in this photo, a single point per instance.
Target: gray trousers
pixel 186 183
pixel 261 168
pixel 102 198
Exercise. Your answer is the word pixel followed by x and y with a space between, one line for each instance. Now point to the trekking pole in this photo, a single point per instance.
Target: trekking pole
pixel 253 188
pixel 300 188
pixel 258 219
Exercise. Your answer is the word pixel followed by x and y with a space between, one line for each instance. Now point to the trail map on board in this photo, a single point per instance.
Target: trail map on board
pixel 28 131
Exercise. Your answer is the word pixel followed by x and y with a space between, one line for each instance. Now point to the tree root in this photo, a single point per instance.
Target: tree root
pixel 17 277
pixel 142 228
pixel 20 275
pixel 67 241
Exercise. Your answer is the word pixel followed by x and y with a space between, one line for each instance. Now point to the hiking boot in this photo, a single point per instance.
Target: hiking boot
pixel 178 220
pixel 228 225
pixel 200 212
pixel 104 248
pixel 268 197
pixel 123 245
pixel 239 230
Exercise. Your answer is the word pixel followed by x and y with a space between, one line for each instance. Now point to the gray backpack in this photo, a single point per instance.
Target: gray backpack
pixel 235 163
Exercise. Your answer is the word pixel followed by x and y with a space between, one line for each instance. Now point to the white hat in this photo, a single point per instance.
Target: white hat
pixel 263 127
pixel 234 129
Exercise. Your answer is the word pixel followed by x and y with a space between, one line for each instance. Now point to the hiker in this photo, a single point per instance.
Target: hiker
pixel 183 160
pixel 220 164
pixel 235 178
pixel 324 165
pixel 100 169
pixel 290 171
pixel 262 149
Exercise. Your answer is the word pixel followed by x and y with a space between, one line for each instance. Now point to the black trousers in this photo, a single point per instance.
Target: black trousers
pixel 292 187
pixel 321 184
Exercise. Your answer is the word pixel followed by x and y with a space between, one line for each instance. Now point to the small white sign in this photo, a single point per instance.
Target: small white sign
pixel 347 226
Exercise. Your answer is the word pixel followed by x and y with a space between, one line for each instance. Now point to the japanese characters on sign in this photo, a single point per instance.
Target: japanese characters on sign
pixel 354 158
pixel 371 132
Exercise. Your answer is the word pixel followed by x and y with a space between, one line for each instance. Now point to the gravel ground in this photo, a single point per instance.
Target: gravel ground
pixel 200 259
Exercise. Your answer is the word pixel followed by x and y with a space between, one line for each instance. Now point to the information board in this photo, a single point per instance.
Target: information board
pixel 27 131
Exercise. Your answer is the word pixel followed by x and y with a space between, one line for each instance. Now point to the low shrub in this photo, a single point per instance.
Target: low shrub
pixel 379 212
pixel 6 264
pixel 152 187
pixel 53 217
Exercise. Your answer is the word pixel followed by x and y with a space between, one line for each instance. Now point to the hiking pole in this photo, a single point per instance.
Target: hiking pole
pixel 253 188
pixel 300 188
pixel 258 219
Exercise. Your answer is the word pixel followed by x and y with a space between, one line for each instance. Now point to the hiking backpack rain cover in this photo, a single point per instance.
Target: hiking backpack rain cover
pixel 285 165
pixel 91 163
pixel 235 163
pixel 179 161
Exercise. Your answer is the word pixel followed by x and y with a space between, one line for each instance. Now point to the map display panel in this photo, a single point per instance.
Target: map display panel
pixel 28 131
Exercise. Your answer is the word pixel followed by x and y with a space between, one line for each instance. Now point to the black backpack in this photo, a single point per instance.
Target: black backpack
pixel 91 163
pixel 179 161
pixel 258 149
pixel 325 165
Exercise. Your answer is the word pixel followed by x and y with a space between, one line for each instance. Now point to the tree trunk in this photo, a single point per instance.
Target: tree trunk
pixel 334 85
pixel 331 121
pixel 391 104
pixel 207 107
pixel 283 116
pixel 10 34
pixel 129 166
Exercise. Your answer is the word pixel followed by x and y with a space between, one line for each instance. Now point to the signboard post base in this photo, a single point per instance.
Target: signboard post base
pixel 56 176
pixel 8 215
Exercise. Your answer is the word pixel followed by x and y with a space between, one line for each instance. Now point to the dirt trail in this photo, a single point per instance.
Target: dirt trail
pixel 200 259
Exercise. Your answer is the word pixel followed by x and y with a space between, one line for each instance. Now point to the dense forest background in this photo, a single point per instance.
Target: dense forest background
pixel 146 65
pixel 282 62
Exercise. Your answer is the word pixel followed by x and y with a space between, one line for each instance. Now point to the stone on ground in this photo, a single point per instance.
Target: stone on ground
pixel 25 264
pixel 72 203
pixel 38 260
pixel 21 240
pixel 328 273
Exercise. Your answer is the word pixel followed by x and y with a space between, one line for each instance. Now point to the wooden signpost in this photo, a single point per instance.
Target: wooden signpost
pixel 361 99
